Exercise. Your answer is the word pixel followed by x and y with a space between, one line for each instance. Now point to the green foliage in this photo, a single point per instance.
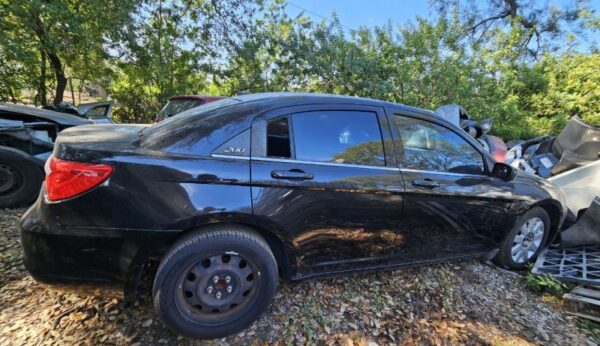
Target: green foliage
pixel 547 284
pixel 66 37
pixel 571 88
pixel 498 59
pixel 173 48
pixel 427 64
pixel 592 328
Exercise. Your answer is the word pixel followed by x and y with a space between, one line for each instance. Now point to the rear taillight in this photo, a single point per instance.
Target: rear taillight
pixel 66 179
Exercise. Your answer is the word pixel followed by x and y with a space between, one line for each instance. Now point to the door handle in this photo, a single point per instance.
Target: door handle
pixel 428 183
pixel 292 174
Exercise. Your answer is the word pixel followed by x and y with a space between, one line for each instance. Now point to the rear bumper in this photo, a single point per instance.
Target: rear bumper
pixel 90 260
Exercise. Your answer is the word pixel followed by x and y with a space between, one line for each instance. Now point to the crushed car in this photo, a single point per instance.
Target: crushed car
pixel 235 194
pixel 570 161
pixel 98 112
pixel 27 136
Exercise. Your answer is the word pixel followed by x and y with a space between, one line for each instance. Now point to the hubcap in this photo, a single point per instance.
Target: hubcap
pixel 216 286
pixel 528 240
pixel 10 179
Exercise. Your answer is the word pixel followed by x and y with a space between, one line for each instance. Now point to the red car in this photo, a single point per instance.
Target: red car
pixel 178 104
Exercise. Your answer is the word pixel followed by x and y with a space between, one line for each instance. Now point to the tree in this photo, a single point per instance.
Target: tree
pixel 175 47
pixel 570 88
pixel 541 26
pixel 62 35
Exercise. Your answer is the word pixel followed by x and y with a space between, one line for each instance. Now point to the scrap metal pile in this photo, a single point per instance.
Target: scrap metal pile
pixel 571 161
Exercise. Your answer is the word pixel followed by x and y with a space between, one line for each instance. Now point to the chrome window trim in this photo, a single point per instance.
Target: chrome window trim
pixel 273 159
pixel 442 173
pixel 221 156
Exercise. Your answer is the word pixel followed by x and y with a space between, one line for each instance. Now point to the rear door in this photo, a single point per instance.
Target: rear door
pixel 327 177
pixel 453 207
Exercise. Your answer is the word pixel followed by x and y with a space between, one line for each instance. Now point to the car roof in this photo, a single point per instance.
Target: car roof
pixel 58 117
pixel 285 98
pixel 196 97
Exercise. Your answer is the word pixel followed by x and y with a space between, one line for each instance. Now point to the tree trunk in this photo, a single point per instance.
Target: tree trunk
pixel 61 80
pixel 42 84
pixel 72 92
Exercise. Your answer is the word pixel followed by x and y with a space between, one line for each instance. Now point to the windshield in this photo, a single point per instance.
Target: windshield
pixel 197 112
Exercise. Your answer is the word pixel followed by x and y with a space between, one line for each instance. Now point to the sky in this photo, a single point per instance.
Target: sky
pixel 356 13
pixel 369 13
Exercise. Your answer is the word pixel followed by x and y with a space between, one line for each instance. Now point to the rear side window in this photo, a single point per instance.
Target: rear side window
pixel 343 137
pixel 431 147
pixel 278 138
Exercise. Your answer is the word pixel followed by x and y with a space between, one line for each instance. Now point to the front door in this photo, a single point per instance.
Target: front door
pixel 453 207
pixel 327 177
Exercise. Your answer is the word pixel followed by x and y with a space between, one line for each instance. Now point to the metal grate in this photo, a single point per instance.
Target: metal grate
pixel 580 265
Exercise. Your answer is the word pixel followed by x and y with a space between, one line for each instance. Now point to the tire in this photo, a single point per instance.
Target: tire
pixel 513 256
pixel 215 282
pixel 20 178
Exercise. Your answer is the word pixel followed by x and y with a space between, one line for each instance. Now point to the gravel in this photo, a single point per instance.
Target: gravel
pixel 467 302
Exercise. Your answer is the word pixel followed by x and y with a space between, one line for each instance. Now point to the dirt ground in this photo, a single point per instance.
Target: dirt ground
pixel 467 302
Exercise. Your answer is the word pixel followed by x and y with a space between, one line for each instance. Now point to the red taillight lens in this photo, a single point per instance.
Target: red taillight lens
pixel 66 179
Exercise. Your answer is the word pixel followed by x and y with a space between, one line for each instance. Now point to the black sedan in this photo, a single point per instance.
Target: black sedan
pixel 234 194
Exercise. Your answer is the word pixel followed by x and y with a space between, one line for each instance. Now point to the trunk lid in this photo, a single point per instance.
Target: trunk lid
pixel 90 143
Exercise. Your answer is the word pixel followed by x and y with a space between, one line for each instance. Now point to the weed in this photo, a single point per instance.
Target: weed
pixel 547 284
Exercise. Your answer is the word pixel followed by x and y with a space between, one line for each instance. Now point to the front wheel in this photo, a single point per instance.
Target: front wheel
pixel 215 282
pixel 525 241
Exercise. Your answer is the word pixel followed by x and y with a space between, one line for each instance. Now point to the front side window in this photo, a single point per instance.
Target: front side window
pixel 343 137
pixel 431 147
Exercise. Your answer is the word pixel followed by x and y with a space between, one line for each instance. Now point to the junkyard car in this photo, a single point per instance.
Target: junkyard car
pixel 98 112
pixel 27 137
pixel 234 194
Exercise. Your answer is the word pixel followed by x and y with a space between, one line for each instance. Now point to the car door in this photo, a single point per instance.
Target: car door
pixel 453 207
pixel 327 177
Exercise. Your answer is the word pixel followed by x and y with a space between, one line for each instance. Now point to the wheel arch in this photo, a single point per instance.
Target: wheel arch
pixel 23 154
pixel 553 209
pixel 280 250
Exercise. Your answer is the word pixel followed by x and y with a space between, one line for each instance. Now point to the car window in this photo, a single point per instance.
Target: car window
pixel 343 137
pixel 197 114
pixel 177 106
pixel 278 138
pixel 97 112
pixel 431 147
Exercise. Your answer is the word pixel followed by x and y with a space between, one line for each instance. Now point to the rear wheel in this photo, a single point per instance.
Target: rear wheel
pixel 20 178
pixel 526 240
pixel 215 282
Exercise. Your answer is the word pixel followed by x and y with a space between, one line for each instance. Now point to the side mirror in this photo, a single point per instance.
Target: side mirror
pixel 503 171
